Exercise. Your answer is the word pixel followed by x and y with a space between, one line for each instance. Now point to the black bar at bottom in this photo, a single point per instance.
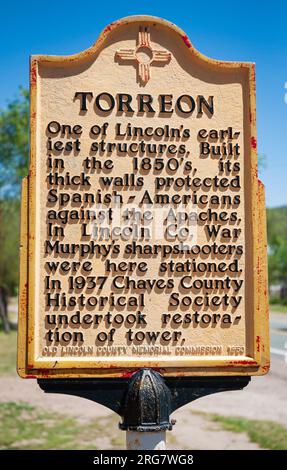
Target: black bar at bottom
pixel 129 459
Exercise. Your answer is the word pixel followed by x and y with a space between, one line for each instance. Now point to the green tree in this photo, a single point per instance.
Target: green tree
pixel 14 154
pixel 277 245
pixel 14 145
pixel 9 243
pixel 277 226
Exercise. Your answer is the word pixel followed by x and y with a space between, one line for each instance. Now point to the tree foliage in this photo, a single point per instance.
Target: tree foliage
pixel 9 243
pixel 14 155
pixel 14 145
pixel 277 244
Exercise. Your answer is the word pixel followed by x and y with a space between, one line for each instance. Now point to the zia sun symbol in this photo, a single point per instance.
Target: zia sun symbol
pixel 144 55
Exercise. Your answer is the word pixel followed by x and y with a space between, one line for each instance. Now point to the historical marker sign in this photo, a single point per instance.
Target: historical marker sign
pixel 143 230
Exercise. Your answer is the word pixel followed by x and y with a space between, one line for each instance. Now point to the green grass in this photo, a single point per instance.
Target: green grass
pixel 267 434
pixel 8 347
pixel 25 427
pixel 278 308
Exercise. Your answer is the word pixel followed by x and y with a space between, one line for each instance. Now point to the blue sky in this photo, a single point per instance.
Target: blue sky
pixel 229 30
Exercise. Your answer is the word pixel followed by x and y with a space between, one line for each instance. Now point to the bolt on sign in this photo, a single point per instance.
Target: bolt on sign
pixel 143 237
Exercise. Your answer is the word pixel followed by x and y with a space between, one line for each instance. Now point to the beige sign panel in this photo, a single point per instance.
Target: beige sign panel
pixel 143 236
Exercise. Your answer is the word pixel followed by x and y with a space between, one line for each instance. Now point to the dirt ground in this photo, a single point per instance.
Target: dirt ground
pixel 264 398
pixel 191 431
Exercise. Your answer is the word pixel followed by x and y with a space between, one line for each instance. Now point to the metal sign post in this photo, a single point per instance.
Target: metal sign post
pixel 145 400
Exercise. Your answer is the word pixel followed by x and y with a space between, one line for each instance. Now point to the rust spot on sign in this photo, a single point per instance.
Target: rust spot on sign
pixel 186 41
pixel 253 143
pixel 33 75
pixel 109 27
pixel 244 363
pixel 127 374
